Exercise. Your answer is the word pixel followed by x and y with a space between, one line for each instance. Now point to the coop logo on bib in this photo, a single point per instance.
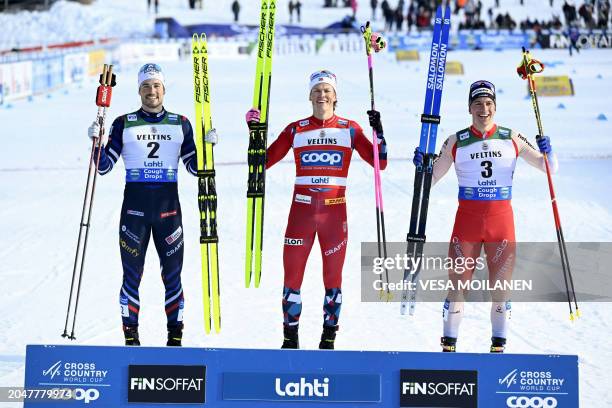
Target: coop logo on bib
pixel 318 158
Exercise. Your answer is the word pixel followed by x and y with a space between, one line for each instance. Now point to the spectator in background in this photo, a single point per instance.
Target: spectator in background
pixel 586 12
pixel 569 11
pixel 291 8
pixel 156 3
pixel 490 13
pixel 387 14
pixel 354 7
pixel 399 15
pixel 603 13
pixel 497 3
pixel 423 18
pixel 373 4
pixel 236 10
pixel 572 35
pixel 410 16
pixel 478 10
pixel 298 10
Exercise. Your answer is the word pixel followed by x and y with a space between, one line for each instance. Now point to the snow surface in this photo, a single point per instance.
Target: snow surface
pixel 43 158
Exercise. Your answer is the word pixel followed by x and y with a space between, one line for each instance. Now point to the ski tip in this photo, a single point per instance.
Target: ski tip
pixel 203 37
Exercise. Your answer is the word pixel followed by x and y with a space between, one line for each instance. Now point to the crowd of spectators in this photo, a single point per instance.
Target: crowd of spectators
pixel 400 15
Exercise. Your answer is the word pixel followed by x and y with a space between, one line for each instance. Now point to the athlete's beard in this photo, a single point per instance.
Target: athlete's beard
pixel 152 105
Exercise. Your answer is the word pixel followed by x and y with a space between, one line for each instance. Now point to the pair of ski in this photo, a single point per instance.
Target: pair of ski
pixel 258 139
pixel 430 119
pixel 207 193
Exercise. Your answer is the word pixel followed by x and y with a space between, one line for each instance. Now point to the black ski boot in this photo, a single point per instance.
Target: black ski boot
pixel 448 344
pixel 175 336
pixel 131 336
pixel 498 344
pixel 328 337
pixel 290 337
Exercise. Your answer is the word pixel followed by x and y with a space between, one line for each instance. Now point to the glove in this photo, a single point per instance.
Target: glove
pixel 374 117
pixel 544 144
pixel 252 116
pixel 418 157
pixel 378 42
pixel 211 136
pixel 94 130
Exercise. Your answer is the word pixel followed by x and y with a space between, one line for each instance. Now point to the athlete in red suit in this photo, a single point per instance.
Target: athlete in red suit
pixel 322 148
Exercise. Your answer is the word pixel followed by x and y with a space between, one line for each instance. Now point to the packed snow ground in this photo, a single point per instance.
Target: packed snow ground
pixel 43 157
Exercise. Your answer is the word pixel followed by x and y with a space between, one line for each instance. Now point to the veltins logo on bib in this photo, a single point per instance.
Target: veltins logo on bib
pixel 321 387
pixel 439 388
pixel 174 384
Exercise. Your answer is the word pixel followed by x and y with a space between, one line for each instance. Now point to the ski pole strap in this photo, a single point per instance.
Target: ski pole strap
pixel 206 173
pixel 425 118
pixel 415 237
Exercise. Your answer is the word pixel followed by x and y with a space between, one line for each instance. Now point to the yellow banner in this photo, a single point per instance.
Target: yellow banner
pixel 96 62
pixel 553 85
pixel 407 55
pixel 454 68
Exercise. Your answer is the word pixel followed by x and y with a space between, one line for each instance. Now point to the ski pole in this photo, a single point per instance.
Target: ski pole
pixel 380 215
pixel 103 99
pixel 529 67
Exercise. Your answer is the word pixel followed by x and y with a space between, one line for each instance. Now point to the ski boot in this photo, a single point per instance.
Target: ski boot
pixel 448 344
pixel 175 335
pixel 328 337
pixel 498 344
pixel 131 336
pixel 290 337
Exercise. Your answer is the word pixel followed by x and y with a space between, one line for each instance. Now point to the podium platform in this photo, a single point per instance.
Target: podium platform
pixel 117 377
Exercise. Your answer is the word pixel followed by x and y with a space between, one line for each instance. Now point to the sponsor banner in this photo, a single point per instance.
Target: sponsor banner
pixel 454 68
pixel 96 60
pixel 176 384
pixel 47 73
pixel 75 67
pixel 407 55
pixel 553 85
pixel 585 40
pixel 439 388
pixel 98 376
pixel 16 80
pixel 301 387
pixel 138 53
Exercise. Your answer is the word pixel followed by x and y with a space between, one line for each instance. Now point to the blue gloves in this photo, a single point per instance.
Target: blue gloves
pixel 544 144
pixel 418 157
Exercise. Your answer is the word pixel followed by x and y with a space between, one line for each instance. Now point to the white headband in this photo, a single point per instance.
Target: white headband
pixel 323 77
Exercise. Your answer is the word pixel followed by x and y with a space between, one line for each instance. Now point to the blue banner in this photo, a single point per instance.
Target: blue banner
pixel 324 387
pixel 123 377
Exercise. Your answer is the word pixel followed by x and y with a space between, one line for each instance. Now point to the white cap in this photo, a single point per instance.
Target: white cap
pixel 150 71
pixel 323 77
